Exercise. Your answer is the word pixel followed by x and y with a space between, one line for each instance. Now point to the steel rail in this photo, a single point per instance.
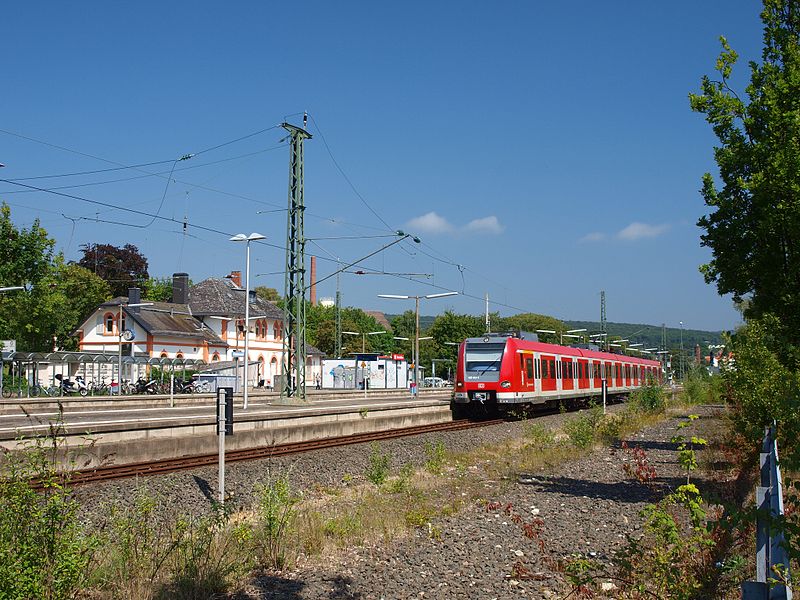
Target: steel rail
pixel 172 465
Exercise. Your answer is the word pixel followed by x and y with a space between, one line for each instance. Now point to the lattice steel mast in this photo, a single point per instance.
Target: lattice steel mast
pixel 294 312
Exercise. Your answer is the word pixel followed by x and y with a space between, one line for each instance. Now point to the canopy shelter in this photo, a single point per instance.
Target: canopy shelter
pixel 29 369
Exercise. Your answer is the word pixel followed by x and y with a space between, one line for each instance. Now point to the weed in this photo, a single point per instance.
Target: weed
pixel 378 466
pixel 275 513
pixel 540 436
pixel 609 428
pixel 641 470
pixel 686 454
pixel 580 430
pixel 44 552
pixel 401 484
pixel 649 398
pixel 435 454
pixel 363 412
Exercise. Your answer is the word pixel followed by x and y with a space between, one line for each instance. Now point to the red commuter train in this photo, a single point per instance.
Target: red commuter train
pixel 499 371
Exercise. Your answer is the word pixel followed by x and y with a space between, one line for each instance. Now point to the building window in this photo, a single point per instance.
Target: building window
pixel 278 330
pixel 164 354
pixel 215 358
pixel 179 355
pixel 109 319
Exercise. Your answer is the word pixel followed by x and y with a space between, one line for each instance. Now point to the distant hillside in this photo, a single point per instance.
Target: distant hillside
pixel 648 335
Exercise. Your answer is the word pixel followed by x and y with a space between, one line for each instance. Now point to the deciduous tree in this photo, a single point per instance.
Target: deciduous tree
pixel 753 227
pixel 122 268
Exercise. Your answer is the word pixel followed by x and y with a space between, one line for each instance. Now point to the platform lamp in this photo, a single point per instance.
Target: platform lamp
pixel 416 321
pixel 127 334
pixel 569 333
pixel 240 237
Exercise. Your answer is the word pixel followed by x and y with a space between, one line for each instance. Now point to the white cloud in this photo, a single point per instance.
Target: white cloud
pixel 430 223
pixel 595 236
pixel 488 224
pixel 434 223
pixel 638 231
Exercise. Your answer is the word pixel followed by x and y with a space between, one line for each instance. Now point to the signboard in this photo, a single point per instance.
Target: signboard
pixel 398 357
pixel 9 345
pixel 237 354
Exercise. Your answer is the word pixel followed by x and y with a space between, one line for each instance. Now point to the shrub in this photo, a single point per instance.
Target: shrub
pixel 580 430
pixel 44 551
pixel 378 465
pixel 540 436
pixel 649 398
pixel 609 428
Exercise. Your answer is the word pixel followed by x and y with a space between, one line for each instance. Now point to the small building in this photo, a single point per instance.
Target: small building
pixel 380 371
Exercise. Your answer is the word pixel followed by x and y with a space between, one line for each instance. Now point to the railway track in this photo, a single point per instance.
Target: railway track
pixel 83 477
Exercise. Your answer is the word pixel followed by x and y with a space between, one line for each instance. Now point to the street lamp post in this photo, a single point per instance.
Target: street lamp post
pixel 240 237
pixel 120 333
pixel 363 337
pixel 416 323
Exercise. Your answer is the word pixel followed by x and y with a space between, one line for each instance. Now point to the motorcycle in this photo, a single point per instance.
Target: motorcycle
pixel 68 386
pixel 143 386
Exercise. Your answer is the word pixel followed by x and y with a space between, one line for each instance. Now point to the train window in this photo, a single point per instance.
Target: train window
pixel 529 367
pixel 545 370
pixel 537 365
pixel 552 366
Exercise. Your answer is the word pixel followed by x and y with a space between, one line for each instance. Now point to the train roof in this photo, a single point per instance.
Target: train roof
pixel 522 344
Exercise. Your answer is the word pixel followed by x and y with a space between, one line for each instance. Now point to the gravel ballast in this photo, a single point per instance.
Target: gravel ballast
pixel 586 506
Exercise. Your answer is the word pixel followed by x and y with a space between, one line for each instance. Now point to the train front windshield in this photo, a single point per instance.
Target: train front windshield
pixel 482 361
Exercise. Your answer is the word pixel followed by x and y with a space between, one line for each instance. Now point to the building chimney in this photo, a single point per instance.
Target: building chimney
pixel 312 290
pixel 236 278
pixel 180 288
pixel 134 297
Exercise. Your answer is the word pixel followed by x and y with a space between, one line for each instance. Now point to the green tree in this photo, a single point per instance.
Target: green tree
pixel 267 293
pixel 122 268
pixel 531 322
pixel 753 227
pixel 157 289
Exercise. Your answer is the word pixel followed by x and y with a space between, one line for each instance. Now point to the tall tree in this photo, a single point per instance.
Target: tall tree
pixel 753 227
pixel 267 293
pixel 122 268
pixel 57 297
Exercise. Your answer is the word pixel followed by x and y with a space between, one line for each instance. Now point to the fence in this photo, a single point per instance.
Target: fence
pixel 772 561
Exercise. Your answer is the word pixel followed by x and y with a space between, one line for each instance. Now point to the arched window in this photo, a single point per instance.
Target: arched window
pixel 164 354
pixel 179 355
pixel 215 358
pixel 109 320
pixel 278 330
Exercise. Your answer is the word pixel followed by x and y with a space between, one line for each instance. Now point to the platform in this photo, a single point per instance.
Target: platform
pixel 130 429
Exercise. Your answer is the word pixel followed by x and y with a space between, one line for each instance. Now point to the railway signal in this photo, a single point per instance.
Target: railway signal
pixel 224 427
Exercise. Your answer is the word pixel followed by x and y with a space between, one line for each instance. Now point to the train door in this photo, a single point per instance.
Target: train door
pixel 567 374
pixel 598 375
pixel 548 373
pixel 618 380
pixel 526 372
pixel 583 374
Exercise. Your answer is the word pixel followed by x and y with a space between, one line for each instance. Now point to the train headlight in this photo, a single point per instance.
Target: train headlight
pixel 505 384
pixel 460 384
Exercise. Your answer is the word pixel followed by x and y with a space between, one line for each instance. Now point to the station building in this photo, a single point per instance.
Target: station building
pixel 203 322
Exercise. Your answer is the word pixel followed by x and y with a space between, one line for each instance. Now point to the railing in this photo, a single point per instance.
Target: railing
pixel 772 561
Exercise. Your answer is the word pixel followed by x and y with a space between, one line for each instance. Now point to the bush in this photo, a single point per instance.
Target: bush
pixel 649 398
pixel 609 428
pixel 44 551
pixel 378 466
pixel 580 430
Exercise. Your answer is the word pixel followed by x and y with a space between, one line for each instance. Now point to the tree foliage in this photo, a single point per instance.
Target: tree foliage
pixel 267 293
pixel 753 227
pixel 57 296
pixel 122 268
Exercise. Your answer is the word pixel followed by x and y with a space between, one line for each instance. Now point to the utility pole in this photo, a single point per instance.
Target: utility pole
pixel 294 313
pixel 603 328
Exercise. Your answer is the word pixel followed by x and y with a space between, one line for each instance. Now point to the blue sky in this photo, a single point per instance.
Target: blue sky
pixel 541 151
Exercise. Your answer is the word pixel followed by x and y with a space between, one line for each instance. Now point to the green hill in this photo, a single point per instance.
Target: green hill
pixel 648 335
